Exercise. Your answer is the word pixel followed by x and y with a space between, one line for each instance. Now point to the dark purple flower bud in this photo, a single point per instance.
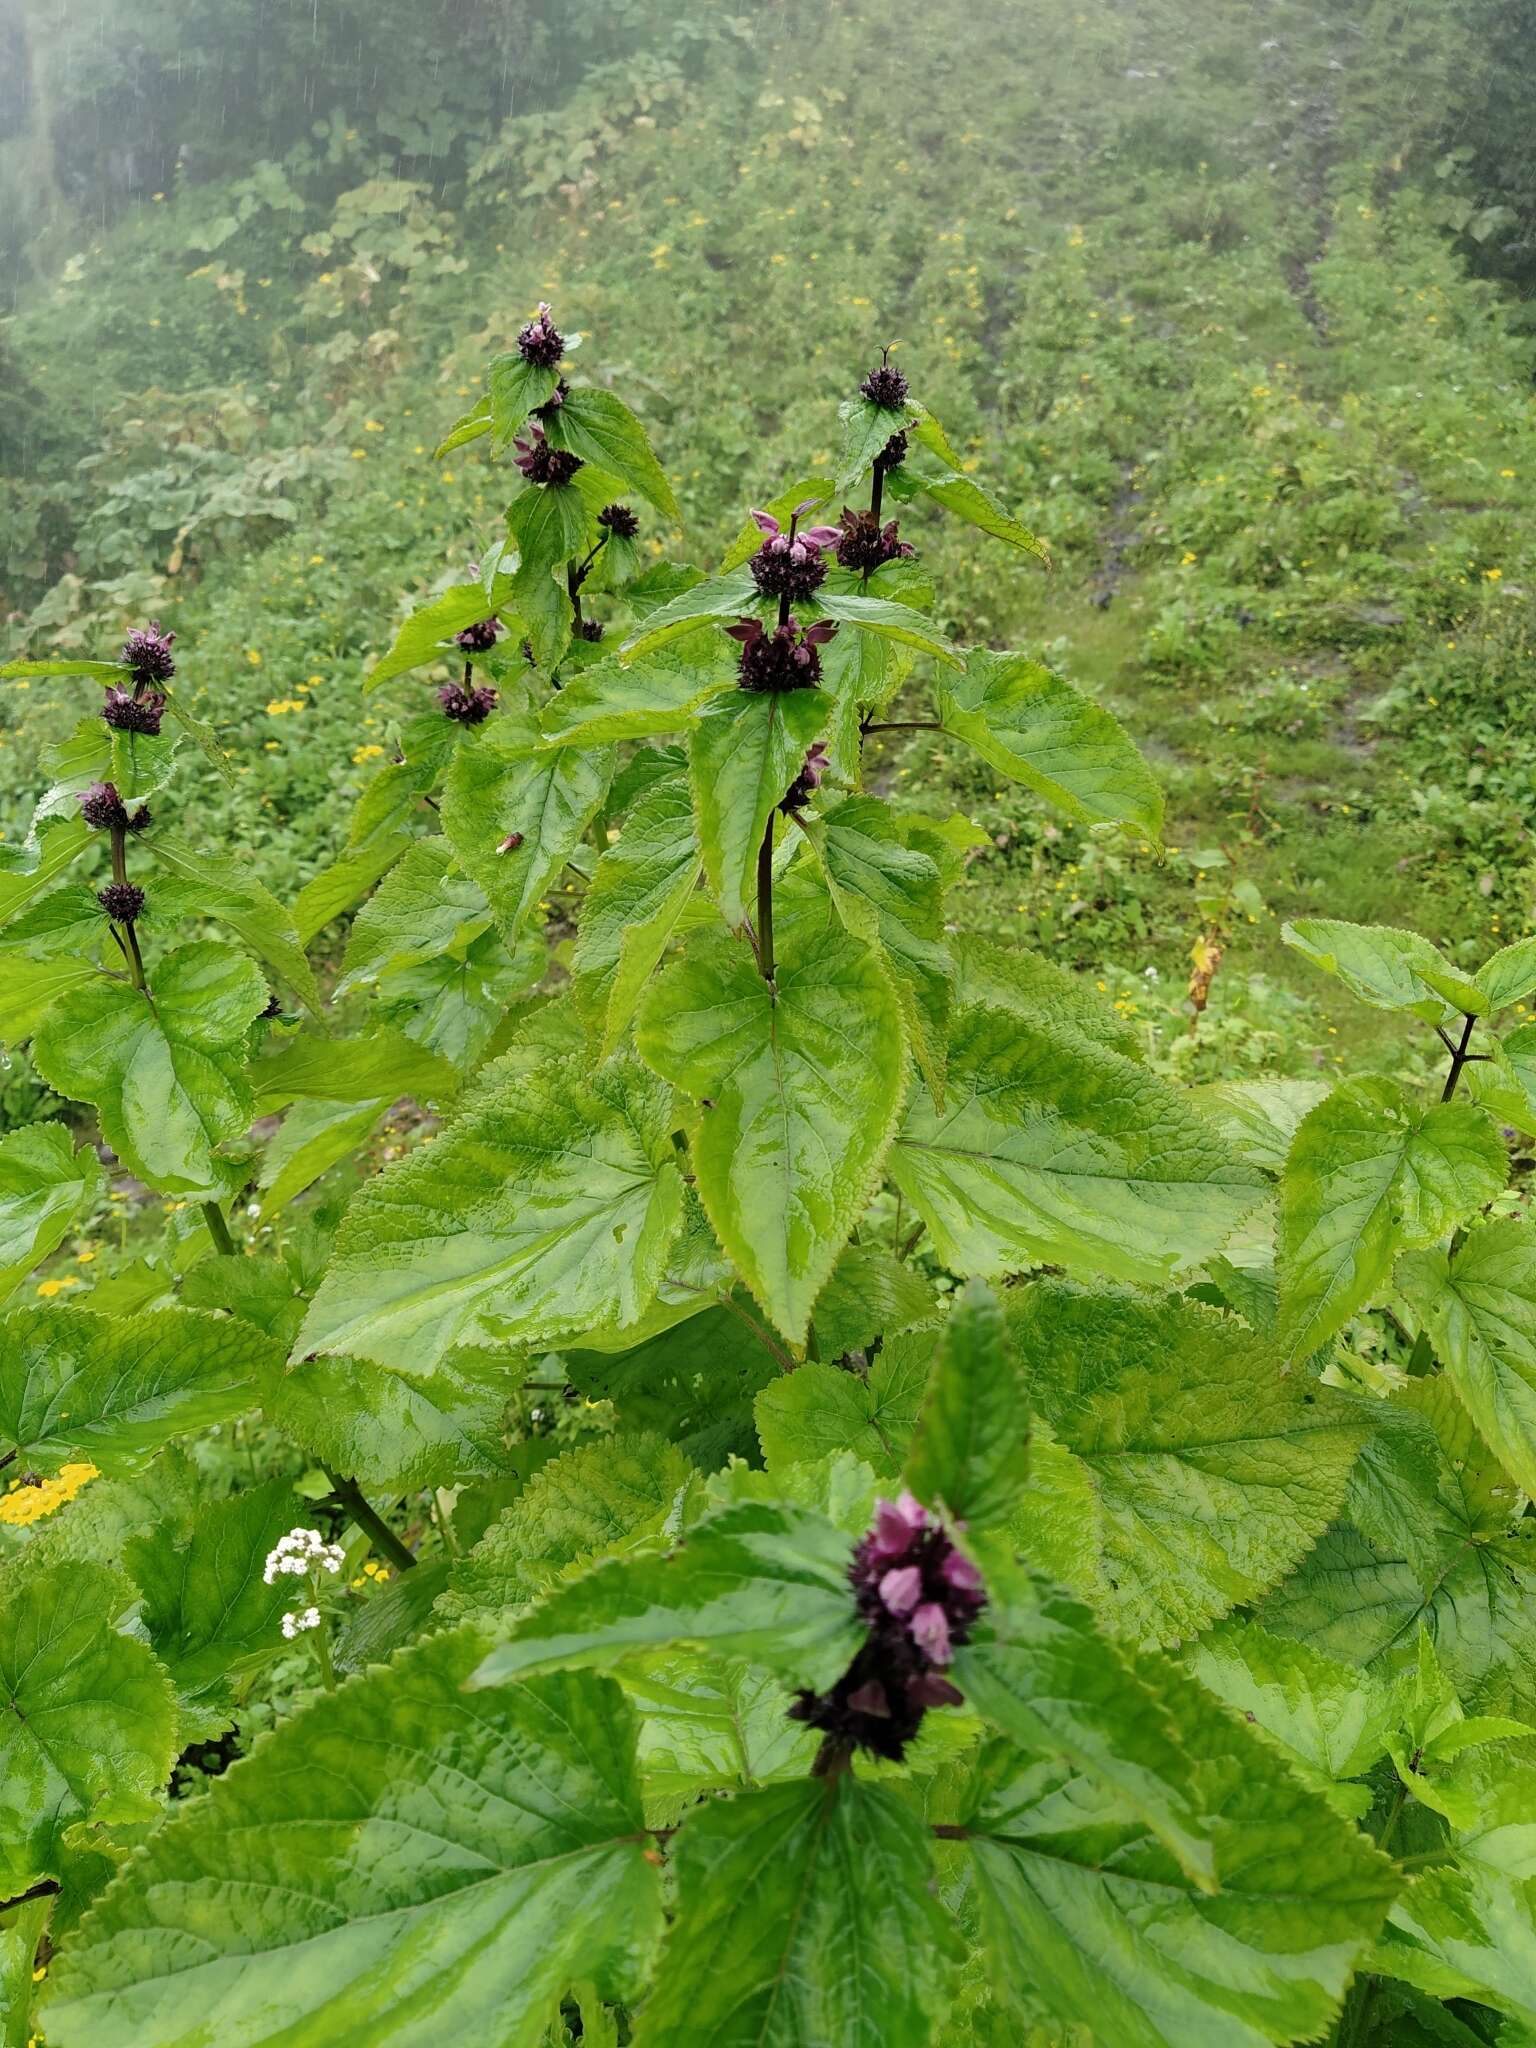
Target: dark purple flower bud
pixel 541 342
pixel 477 638
pixel 125 712
pixel 542 464
pixel 141 819
pixel 919 1597
pixel 590 629
pixel 893 453
pixel 555 400
pixel 274 1009
pixel 785 659
pixel 619 521
pixel 885 385
pixel 122 901
pixel 790 564
pixel 102 807
pixel 147 652
pixel 467 707
pixel 807 782
pixel 863 544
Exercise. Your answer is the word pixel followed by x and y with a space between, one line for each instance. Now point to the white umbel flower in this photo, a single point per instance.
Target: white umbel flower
pixel 302 1551
pixel 305 1618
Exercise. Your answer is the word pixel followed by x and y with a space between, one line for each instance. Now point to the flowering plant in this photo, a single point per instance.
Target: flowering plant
pixel 993 1596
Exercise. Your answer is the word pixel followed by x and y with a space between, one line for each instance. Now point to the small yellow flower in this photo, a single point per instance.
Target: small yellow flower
pixel 359 454
pixel 49 1288
pixel 84 1258
pixel 253 656
pixel 1260 391
pixel 1189 558
pixel 1494 575
pixel 314 559
pixel 1506 472
pixel 373 426
pixel 1075 238
pixel 368 753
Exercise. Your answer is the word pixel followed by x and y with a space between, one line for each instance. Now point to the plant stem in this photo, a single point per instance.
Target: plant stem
pixel 367 1517
pixel 218 1230
pixel 877 487
pixel 1460 1058
pixel 323 1655
pixel 765 905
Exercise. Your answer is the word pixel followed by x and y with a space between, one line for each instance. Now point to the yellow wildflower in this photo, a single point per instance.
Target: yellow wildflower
pixel 368 753
pixel 29 1502
pixel 49 1288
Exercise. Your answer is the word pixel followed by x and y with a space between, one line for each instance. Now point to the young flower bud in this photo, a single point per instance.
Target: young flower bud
pixel 122 901
pixel 790 564
pixel 102 807
pixel 893 453
pixel 541 342
pixel 590 629
pixel 885 385
pixel 619 521
pixel 126 713
pixel 919 1596
pixel 141 819
pixel 467 707
pixel 542 464
pixel 147 652
pixel 807 782
pixel 864 544
pixel 555 400
pixel 477 638
pixel 785 659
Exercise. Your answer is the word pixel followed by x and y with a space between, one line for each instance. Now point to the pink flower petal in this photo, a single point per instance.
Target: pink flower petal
pixel 901 1589
pixel 821 536
pixel 765 520
pixel 930 1631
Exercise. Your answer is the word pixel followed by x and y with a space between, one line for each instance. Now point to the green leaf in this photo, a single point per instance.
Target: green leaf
pixel 165 1075
pixel 890 895
pixel 745 750
pixel 462 1861
pixel 21 1932
pixel 719 597
pixel 456 1004
pixel 1211 1471
pixel 816 1410
pixel 87 1723
pixel 805 1913
pixel 423 909
pixel 546 1209
pixel 46 1186
pixel 203 737
pixel 390 805
pixel 549 523
pixel 636 700
pixel 1509 974
pixel 888 621
pixel 1041 994
pixel 502 785
pixel 396 1432
pixel 380 1063
pixel 115 1388
pixel 866 429
pixel 26 871
pixel 971 1454
pixel 761 1580
pixel 1260 1118
pixel 1330 1725
pixel 1385 967
pixel 932 435
pixel 796 1094
pixel 315 1136
pixel 1040 1671
pixel 94 671
pixel 1029 723
pixel 1051 1149
pixel 1479 1307
pixel 1085 1914
pixel 517 388
pixel 468 427
pixel 29 987
pixel 427 634
pixel 870 1295
pixel 207 1610
pixel 1371 1172
pixel 640 889
pixel 225 890
pixel 602 430
pixel 1506 1082
pixel 599 1500
pixel 963 496
pixel 693 1383
pixel 344 884
pixel 711 1724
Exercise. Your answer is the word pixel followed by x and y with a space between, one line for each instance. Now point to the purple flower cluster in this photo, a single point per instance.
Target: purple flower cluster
pixel 885 385
pixel 467 706
pixel 919 1596
pixel 790 564
pixel 542 464
pixel 126 712
pixel 785 659
pixel 541 342
pixel 864 544
pixel 477 638
pixel 122 901
pixel 147 652
pixel 805 785
pixel 619 521
pixel 102 807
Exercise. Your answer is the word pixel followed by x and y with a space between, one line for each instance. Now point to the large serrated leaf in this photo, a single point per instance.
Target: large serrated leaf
pixel 546 1209
pixel 46 1186
pixel 1051 1148
pixel 970 1454
pixel 405 1857
pixel 427 634
pixel 805 1915
pixel 1211 1471
pixel 744 752
pixel 644 699
pixel 639 891
pixel 1370 1172
pixel 115 1388
pixel 399 1431
pixel 1479 1306
pixel 1388 968
pixel 797 1091
pixel 602 430
pixel 165 1075
pixel 1028 722
pixel 224 889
